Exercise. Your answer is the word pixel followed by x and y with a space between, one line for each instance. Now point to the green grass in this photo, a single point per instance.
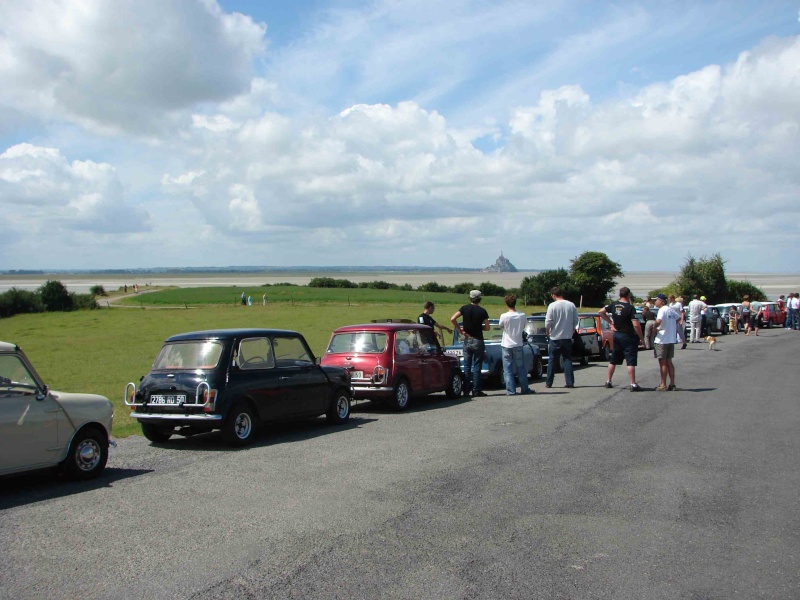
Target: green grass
pixel 99 351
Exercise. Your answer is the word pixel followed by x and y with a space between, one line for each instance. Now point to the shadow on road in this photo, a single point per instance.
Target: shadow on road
pixel 49 484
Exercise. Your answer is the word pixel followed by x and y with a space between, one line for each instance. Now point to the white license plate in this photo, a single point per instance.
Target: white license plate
pixel 454 352
pixel 356 374
pixel 170 399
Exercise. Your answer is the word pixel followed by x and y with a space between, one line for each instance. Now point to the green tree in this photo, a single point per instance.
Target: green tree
pixel 535 289
pixel 488 288
pixel 55 296
pixel 432 286
pixel 739 289
pixel 702 277
pixel 594 275
pixel 464 288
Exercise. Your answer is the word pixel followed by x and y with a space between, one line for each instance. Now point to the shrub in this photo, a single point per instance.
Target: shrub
pixel 330 282
pixel 98 290
pixel 738 289
pixel 83 301
pixel 17 302
pixel 488 288
pixel 55 296
pixel 432 286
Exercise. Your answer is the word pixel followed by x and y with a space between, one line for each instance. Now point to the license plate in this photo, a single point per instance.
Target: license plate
pixel 454 352
pixel 168 399
pixel 356 374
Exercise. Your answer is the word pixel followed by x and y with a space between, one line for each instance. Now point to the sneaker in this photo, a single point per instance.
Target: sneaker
pixel 569 385
pixel 672 387
pixel 636 388
pixel 548 385
pixel 608 384
pixel 478 394
pixel 527 392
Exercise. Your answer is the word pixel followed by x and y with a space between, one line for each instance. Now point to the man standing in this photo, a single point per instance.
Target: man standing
pixel 794 310
pixel 560 323
pixel 513 323
pixel 676 304
pixel 696 308
pixel 627 335
pixel 426 318
pixel 755 315
pixel 475 320
pixel 666 338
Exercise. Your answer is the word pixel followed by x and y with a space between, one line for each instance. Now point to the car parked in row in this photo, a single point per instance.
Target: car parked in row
pixel 41 428
pixel 772 315
pixel 492 365
pixel 725 313
pixel 234 380
pixel 393 362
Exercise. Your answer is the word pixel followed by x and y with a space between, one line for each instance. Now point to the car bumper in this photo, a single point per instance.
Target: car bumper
pixel 176 418
pixel 361 392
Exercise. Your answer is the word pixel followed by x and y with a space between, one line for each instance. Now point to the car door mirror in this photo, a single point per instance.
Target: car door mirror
pixel 42 393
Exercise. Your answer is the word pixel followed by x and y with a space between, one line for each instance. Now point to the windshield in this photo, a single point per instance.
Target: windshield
pixel 14 374
pixel 535 327
pixel 200 354
pixel 495 334
pixel 366 342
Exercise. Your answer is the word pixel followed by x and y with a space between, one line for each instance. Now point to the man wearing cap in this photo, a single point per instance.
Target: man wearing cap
pixel 696 306
pixel 664 342
pixel 475 320
pixel 560 323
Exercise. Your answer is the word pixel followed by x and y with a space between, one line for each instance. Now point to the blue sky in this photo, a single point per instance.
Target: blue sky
pixel 190 133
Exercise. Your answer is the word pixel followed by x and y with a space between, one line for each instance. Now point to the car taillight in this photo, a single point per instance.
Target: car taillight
pixel 209 398
pixel 379 374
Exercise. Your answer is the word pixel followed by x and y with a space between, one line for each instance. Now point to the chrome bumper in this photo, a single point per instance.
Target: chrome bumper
pixel 175 417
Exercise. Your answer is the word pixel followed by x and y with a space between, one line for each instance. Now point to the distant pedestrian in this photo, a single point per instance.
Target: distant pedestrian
pixel 649 318
pixel 621 315
pixel 755 316
pixel 745 314
pixel 560 323
pixel 676 304
pixel 244 299
pixel 733 320
pixel 513 323
pixel 696 307
pixel 667 321
pixel 794 311
pixel 475 320
pixel 264 300
pixel 426 318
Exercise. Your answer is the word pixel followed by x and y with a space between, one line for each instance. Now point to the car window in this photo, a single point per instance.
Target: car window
pixel 587 323
pixel 195 354
pixel 369 342
pixel 406 342
pixel 428 339
pixel 255 353
pixel 495 332
pixel 15 376
pixel 536 327
pixel 291 352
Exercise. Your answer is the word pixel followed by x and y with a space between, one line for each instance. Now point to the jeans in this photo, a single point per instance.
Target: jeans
pixel 557 349
pixel 794 318
pixel 473 360
pixel 514 358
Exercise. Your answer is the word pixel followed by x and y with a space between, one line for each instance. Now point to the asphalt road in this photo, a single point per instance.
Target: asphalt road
pixel 568 494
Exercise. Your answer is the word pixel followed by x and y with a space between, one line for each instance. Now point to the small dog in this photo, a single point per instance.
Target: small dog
pixel 712 341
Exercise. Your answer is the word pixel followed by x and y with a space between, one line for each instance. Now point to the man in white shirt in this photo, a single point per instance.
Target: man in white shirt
pixel 664 343
pixel 696 308
pixel 513 323
pixel 560 324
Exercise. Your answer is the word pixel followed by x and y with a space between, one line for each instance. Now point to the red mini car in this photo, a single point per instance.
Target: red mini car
pixel 393 362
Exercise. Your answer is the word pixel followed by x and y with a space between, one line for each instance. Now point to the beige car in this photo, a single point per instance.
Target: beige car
pixel 40 428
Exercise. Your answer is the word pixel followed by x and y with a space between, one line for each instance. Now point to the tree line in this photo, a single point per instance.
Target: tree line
pixel 51 296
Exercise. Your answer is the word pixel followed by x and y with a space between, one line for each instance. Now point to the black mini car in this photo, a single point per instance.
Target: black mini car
pixel 234 380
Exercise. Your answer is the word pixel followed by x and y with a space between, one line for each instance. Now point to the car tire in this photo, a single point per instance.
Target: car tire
pixel 607 353
pixel 400 396
pixel 339 411
pixel 769 323
pixel 88 454
pixel 584 361
pixel 538 369
pixel 456 385
pixel 158 434
pixel 240 426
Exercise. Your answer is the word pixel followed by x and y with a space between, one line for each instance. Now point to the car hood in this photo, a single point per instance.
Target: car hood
pixel 83 408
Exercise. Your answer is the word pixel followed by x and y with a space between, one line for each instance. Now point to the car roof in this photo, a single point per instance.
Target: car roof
pixel 229 334
pixel 6 347
pixel 380 327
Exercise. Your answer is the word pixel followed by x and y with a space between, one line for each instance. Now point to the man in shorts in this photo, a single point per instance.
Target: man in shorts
pixel 664 343
pixel 475 320
pixel 627 335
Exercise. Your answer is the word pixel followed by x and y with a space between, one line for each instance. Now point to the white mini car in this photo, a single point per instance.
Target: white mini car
pixel 40 428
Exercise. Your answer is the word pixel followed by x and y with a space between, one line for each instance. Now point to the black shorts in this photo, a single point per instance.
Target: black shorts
pixel 625 346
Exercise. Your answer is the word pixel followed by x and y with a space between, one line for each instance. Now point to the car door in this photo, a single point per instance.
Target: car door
pixel 435 366
pixel 255 376
pixel 407 360
pixel 304 381
pixel 29 420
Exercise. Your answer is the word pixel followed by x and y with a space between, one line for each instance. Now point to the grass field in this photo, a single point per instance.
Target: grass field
pixel 100 351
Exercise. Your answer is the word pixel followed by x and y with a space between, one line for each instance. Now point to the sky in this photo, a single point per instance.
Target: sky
pixel 170 133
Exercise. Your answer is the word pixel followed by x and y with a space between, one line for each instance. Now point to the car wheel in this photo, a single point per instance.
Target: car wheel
pixel 607 353
pixel 401 395
pixel 158 434
pixel 536 370
pixel 88 454
pixel 240 425
pixel 455 386
pixel 339 412
pixel 584 360
pixel 769 323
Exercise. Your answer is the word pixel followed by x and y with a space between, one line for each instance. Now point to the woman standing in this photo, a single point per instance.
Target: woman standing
pixel 746 314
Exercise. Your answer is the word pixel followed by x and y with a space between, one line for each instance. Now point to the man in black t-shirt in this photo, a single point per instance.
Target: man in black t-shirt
pixel 627 334
pixel 426 318
pixel 475 320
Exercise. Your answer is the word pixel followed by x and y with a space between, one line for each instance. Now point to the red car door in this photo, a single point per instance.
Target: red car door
pixel 408 359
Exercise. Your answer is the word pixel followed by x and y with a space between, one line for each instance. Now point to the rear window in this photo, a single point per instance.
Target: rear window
pixel 200 354
pixel 365 342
